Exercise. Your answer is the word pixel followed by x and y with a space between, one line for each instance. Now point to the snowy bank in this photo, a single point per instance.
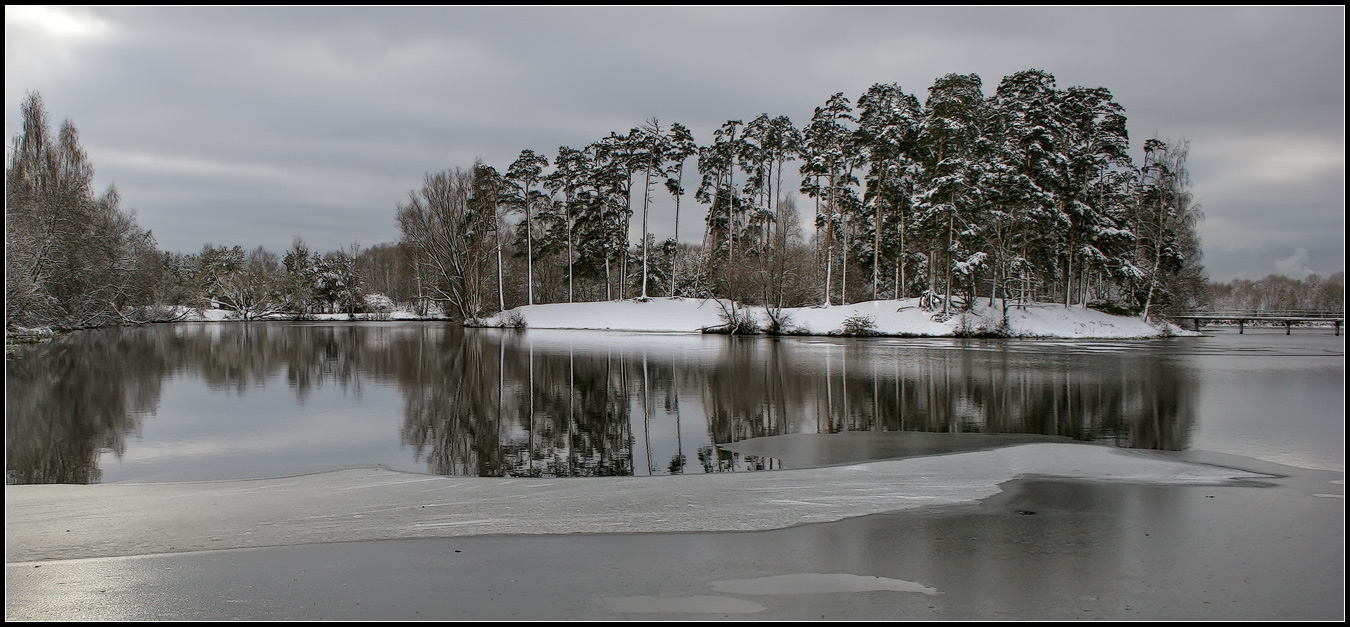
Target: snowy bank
pixel 187 314
pixel 882 317
pixel 904 318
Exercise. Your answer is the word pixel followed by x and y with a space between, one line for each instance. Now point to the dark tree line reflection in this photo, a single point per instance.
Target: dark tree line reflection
pixel 507 403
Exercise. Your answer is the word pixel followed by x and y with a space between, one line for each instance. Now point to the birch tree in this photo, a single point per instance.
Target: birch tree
pixel 73 258
pixel 1165 219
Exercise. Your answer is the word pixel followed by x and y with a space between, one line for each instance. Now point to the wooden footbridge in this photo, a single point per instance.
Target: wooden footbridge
pixel 1287 318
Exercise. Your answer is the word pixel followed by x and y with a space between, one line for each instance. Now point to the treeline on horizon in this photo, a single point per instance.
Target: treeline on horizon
pixel 1279 293
pixel 1026 195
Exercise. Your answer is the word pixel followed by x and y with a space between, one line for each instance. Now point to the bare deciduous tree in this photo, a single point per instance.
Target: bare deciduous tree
pixel 452 243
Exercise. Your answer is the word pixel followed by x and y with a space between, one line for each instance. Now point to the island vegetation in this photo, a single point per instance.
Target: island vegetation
pixel 1025 195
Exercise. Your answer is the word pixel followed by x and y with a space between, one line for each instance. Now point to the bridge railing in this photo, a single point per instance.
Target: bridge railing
pixel 1268 313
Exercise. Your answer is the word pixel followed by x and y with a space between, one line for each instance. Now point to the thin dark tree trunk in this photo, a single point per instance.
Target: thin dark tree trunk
pixel 876 253
pixel 947 288
pixel 646 197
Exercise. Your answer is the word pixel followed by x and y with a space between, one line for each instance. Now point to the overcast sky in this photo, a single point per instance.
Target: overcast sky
pixel 253 126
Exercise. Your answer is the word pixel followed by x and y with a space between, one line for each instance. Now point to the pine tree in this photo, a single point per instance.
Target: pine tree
pixel 1032 128
pixel 717 165
pixel 1009 194
pixel 568 178
pixel 626 153
pixel 888 132
pixel 783 144
pixel 681 147
pixel 525 174
pixel 769 144
pixel 949 198
pixel 829 152
pixel 654 146
pixel 489 190
pixel 1097 151
pixel 602 201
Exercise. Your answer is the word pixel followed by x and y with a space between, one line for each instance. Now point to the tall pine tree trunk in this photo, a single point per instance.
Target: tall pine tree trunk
pixel 529 251
pixel 843 266
pixel 646 196
pixel 570 254
pixel 994 266
pixel 1068 276
pixel 675 258
pixel 900 291
pixel 876 253
pixel 829 238
pixel 623 261
pixel 947 289
pixel 829 259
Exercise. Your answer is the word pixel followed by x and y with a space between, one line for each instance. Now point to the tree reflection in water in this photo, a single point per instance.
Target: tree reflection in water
pixel 553 404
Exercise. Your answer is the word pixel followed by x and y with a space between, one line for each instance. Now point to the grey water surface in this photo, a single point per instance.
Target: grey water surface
pixel 211 401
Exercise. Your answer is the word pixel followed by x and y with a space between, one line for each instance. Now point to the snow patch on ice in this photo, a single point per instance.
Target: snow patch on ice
pixel 83 521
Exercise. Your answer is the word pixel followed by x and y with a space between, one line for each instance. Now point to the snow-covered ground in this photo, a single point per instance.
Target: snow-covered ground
pixel 881 317
pixel 888 317
pixel 225 315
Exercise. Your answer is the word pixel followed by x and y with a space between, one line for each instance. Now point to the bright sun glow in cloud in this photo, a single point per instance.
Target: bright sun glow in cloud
pixel 54 21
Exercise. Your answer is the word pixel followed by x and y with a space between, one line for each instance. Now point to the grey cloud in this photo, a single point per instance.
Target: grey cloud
pixel 318 121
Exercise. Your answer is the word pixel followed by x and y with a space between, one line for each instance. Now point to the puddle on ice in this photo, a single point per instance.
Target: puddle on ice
pixel 809 583
pixel 692 605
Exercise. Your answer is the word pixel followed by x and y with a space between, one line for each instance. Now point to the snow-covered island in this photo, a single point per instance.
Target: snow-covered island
pixel 876 318
pixel 879 318
pixel 902 318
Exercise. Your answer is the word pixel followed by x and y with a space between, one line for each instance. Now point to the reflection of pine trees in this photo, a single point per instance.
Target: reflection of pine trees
pixel 603 433
pixel 576 422
pixel 483 402
pixel 738 396
pixel 773 388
